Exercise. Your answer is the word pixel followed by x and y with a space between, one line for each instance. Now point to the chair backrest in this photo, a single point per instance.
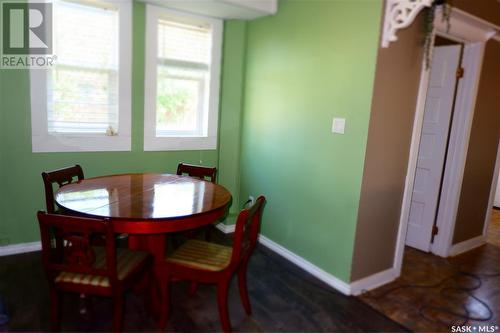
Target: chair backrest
pixel 197 171
pixel 66 246
pixel 247 231
pixel 60 177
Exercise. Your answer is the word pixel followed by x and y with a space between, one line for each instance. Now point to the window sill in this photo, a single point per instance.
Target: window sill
pixel 80 143
pixel 179 143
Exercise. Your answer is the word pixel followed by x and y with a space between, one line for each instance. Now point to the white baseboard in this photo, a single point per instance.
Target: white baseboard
pixel 19 248
pixel 314 270
pixel 373 281
pixel 467 245
pixel 354 288
pixel 227 229
pixel 297 260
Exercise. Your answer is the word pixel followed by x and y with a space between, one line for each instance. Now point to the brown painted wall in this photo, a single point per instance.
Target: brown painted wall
pixel 481 154
pixel 488 10
pixel 386 161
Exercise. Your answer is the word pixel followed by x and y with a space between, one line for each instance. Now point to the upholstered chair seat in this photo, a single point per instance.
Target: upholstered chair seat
pixel 202 255
pixel 126 262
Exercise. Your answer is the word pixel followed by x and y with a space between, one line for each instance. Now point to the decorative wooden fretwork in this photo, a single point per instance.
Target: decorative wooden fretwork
pixel 400 14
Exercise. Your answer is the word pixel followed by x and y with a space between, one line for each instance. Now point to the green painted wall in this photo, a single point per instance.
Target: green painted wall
pixel 20 169
pixel 231 110
pixel 312 61
pixel 2 141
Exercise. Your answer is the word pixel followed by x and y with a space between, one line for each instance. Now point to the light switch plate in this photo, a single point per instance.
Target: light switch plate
pixel 338 125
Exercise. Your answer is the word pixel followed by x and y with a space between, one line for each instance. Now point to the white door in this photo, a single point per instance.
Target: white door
pixel 430 163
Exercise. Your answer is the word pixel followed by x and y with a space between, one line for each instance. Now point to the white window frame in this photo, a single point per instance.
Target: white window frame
pixel 181 142
pixel 43 141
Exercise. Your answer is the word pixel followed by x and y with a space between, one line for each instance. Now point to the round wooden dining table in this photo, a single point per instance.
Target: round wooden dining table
pixel 147 206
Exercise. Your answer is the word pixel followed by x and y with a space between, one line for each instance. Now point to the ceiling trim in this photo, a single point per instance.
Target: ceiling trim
pixel 221 9
pixel 466 26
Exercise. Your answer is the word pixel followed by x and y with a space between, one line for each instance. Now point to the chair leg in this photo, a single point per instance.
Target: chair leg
pixel 55 316
pixel 165 301
pixel 149 293
pixel 222 292
pixel 193 286
pixel 118 312
pixel 242 286
pixel 208 231
pixel 176 241
pixel 84 304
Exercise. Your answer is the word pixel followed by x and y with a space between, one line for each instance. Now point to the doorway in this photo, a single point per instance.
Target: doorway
pixel 445 73
pixel 449 182
pixel 440 163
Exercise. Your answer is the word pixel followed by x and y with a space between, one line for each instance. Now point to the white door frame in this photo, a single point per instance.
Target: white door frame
pixel 458 146
pixel 473 32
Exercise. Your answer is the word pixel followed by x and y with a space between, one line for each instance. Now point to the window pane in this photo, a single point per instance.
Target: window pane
pixel 86 36
pixel 180 95
pixel 177 41
pixel 183 72
pixel 83 85
pixel 83 100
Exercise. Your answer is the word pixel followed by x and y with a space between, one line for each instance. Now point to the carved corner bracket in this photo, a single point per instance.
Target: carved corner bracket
pixel 400 14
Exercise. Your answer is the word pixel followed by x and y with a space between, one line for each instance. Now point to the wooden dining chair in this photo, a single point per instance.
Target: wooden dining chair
pixel 205 262
pixel 62 177
pixel 203 173
pixel 59 177
pixel 198 171
pixel 76 266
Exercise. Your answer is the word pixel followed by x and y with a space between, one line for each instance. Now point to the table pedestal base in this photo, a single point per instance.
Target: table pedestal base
pixel 157 246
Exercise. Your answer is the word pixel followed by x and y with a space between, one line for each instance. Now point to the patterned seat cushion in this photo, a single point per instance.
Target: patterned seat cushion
pixel 126 261
pixel 202 255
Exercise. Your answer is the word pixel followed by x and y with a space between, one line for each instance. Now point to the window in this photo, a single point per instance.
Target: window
pixel 82 103
pixel 182 80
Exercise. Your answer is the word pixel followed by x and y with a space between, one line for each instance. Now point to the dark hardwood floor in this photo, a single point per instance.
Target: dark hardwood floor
pixel 434 293
pixel 284 299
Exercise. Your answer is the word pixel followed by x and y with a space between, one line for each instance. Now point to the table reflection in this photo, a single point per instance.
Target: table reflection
pixel 178 200
pixel 85 201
